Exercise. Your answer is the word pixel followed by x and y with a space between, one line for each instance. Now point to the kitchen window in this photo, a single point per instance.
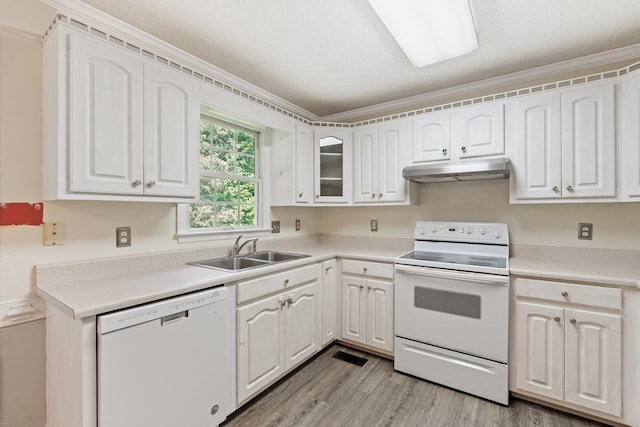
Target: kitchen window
pixel 230 199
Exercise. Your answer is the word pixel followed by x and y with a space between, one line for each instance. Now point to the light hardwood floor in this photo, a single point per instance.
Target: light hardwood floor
pixel 331 392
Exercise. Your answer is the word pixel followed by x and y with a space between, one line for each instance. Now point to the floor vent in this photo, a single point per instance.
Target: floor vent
pixel 350 358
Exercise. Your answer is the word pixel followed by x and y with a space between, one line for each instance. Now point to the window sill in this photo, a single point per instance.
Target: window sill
pixel 203 236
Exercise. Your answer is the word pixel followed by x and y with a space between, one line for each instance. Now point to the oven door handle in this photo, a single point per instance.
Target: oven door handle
pixel 489 279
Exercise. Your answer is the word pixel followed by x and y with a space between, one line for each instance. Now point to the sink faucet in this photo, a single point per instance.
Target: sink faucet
pixel 237 247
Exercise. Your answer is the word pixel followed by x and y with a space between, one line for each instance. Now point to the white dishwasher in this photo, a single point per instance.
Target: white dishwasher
pixel 166 363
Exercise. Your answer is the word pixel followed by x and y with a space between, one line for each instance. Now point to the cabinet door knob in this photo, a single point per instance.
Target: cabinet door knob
pixel 364 270
pixel 369 288
pixel 555 189
pixel 444 151
pixel 565 294
pixel 300 195
pixel 289 301
pixel 328 269
pixel 569 188
pixel 464 149
pixel 286 282
pixel 379 195
pixel 557 319
pixel 573 321
pixel 151 184
pixel 136 183
pixel 373 195
pixel 361 287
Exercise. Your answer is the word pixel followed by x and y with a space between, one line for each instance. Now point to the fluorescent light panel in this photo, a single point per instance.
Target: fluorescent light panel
pixel 429 31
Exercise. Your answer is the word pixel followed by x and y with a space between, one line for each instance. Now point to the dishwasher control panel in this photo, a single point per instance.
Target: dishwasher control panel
pixel 147 312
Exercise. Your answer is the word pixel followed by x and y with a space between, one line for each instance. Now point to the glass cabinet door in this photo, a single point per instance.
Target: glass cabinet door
pixel 332 155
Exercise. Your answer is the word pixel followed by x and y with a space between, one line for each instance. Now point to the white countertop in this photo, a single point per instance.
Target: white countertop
pixel 594 266
pixel 84 289
pixel 89 296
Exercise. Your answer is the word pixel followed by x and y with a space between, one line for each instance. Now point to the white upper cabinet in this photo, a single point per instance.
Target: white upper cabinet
pixel 291 166
pixel 631 137
pixel 536 146
pixel 116 126
pixel 379 155
pixel 333 170
pixel 170 133
pixel 563 145
pixel 478 130
pixel 588 142
pixel 466 132
pixel 106 135
pixel 432 137
pixel 304 171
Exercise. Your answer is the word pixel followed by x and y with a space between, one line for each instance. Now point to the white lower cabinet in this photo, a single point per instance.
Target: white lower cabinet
pixel 367 304
pixel 277 330
pixel 329 301
pixel 568 352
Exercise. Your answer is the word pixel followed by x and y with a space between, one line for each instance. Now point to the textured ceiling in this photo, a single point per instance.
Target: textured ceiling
pixel 332 56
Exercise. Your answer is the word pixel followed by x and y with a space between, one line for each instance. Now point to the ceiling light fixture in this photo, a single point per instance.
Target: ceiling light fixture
pixel 429 31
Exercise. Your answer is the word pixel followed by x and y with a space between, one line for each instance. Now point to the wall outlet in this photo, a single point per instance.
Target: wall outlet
pixel 275 226
pixel 585 231
pixel 297 225
pixel 123 237
pixel 374 225
pixel 53 233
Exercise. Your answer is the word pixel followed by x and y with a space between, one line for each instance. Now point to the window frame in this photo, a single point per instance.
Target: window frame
pixel 185 233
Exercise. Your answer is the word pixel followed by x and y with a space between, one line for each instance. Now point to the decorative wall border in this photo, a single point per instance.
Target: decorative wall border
pixel 206 78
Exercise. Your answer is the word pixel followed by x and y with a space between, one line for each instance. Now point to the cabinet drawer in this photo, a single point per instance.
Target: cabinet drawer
pixel 255 288
pixel 366 268
pixel 571 293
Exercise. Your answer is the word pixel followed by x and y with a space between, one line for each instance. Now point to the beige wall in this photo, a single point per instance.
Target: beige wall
pixel 615 224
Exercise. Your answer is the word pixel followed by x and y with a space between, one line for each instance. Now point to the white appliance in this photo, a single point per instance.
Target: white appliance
pixel 452 307
pixel 166 363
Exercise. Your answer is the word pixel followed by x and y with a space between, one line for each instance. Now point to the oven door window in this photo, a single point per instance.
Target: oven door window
pixel 456 303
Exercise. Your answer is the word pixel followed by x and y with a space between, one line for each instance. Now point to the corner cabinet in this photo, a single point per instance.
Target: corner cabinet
pixel 291 166
pixel 567 346
pixel 329 301
pixel 367 305
pixel 116 126
pixel 631 137
pixel 379 156
pixel 563 145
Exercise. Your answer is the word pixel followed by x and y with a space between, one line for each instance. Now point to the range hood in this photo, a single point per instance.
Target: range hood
pixel 466 170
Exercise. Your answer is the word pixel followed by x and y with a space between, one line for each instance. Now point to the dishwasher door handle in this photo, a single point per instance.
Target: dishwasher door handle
pixel 175 317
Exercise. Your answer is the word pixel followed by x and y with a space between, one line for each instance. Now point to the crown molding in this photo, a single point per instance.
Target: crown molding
pixel 491 84
pixel 89 15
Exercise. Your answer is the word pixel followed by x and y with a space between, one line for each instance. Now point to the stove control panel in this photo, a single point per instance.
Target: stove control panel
pixel 469 232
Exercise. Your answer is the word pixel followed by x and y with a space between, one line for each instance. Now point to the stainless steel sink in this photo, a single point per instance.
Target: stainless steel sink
pixel 230 263
pixel 244 262
pixel 274 256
